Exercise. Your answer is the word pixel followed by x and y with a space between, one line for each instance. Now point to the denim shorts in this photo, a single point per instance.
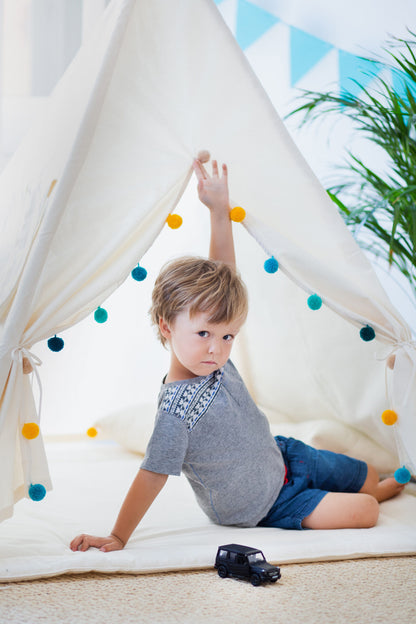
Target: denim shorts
pixel 311 474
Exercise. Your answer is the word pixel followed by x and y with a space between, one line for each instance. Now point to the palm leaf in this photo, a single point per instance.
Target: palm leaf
pixel 383 204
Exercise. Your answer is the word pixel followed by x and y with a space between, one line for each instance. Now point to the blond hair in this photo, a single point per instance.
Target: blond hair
pixel 199 285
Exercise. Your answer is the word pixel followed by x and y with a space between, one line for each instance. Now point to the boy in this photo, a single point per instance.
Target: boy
pixel 208 426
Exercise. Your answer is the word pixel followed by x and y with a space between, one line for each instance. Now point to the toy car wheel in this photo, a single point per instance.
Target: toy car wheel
pixel 222 571
pixel 255 580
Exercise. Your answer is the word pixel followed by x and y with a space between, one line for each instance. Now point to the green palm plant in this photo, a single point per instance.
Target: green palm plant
pixel 379 207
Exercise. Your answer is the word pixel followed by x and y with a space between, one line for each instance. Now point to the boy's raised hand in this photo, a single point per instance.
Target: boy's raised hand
pixel 213 190
pixel 106 544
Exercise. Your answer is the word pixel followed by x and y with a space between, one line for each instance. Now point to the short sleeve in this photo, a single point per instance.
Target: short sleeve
pixel 167 447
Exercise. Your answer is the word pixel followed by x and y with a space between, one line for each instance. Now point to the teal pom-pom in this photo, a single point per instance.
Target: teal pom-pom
pixel 314 302
pixel 402 475
pixel 271 265
pixel 37 491
pixel 100 315
pixel 56 344
pixel 139 273
pixel 367 333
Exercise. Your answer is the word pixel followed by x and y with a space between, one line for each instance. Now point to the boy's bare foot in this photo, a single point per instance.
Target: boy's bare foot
pixel 387 489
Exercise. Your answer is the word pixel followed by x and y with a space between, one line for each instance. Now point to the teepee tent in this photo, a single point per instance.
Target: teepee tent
pixel 91 187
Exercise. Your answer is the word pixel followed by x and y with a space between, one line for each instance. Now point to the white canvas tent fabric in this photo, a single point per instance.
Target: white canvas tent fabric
pixel 157 82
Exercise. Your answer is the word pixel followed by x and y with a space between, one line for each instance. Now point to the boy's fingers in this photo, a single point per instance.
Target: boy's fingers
pixel 200 171
pixel 82 542
pixel 115 545
pixel 105 544
pixel 214 168
pixel 75 543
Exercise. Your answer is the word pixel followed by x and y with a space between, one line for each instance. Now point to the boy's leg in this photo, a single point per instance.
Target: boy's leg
pixel 349 490
pixel 342 510
pixel 381 490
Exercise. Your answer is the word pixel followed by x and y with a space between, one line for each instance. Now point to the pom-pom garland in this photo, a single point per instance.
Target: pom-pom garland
pixel 174 221
pixel 237 214
pixel 139 273
pixel 367 333
pixel 402 475
pixel 100 315
pixel 389 417
pixel 30 431
pixel 314 302
pixel 55 344
pixel 37 492
pixel 271 265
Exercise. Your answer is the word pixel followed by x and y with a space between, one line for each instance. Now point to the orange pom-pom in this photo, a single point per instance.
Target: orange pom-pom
pixel 389 417
pixel 174 221
pixel 30 431
pixel 237 214
pixel 92 432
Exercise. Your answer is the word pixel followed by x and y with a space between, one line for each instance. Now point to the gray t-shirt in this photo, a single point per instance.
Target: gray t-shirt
pixel 211 429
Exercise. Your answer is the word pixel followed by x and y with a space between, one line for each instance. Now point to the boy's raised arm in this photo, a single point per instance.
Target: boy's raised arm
pixel 213 192
pixel 143 491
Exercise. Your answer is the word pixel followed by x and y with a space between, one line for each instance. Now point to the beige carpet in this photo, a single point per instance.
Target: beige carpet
pixel 360 591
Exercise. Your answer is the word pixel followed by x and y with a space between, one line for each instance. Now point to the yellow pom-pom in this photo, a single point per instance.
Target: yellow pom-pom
pixel 92 432
pixel 174 221
pixel 30 431
pixel 237 214
pixel 389 417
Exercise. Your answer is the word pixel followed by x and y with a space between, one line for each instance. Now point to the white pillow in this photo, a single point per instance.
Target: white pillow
pixel 130 426
pixel 339 438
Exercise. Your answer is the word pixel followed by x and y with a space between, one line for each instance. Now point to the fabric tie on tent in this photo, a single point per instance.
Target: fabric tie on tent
pixel 18 355
pixel 157 82
pixel 27 465
pixel 409 348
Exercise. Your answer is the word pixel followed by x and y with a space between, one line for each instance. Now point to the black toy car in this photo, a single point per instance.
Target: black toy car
pixel 245 562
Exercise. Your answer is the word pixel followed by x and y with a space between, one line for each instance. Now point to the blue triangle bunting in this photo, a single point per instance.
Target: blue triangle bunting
pixel 353 68
pixel 305 52
pixel 252 23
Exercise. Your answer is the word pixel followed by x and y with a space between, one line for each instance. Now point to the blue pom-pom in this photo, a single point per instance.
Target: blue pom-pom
pixel 100 315
pixel 402 475
pixel 271 265
pixel 367 333
pixel 314 302
pixel 139 273
pixel 55 344
pixel 37 491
